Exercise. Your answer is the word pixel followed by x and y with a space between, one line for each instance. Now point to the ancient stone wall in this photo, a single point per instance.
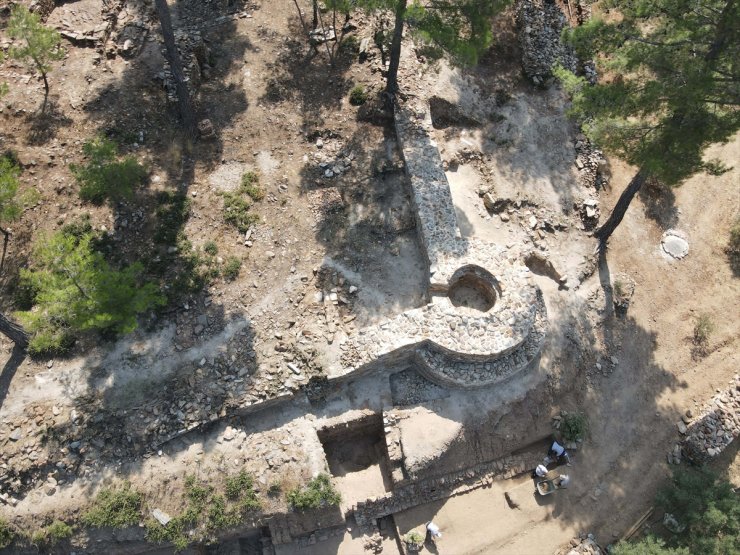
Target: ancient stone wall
pixel 425 491
pixel 539 26
pixel 454 346
pixel 713 430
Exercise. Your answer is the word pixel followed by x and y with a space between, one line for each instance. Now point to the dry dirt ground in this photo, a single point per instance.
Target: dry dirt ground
pixel 270 101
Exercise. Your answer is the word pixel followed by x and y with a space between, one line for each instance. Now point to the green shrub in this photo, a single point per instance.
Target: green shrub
pixel 357 95
pixel 172 213
pixel 733 247
pixel 236 211
pixel 7 535
pixel 116 508
pixel 104 177
pixel 173 532
pixel 619 288
pixel 250 186
pixel 52 534
pixel 211 248
pixel 319 492
pixel 238 485
pixel 413 538
pixel 703 329
pixel 705 506
pixel 350 44
pixel 220 516
pixel 574 426
pixel 275 489
pixel 231 268
pixel 10 209
pixel 237 203
pixel 197 494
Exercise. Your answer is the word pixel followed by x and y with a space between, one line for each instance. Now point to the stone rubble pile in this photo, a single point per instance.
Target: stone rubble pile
pixel 582 545
pixel 539 26
pixel 712 431
pixel 331 158
pixel 591 163
pixel 84 27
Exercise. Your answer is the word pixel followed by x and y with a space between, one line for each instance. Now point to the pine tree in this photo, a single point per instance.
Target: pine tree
pixel 10 209
pixel 460 27
pixel 76 290
pixel 40 43
pixel 671 88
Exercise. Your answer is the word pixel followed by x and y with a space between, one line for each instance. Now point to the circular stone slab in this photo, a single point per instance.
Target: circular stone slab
pixel 675 244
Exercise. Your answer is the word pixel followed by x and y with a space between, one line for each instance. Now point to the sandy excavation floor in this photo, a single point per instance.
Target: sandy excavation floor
pixel 230 343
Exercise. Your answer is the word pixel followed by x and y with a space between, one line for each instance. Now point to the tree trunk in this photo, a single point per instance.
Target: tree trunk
pixel 13 331
pixel 391 87
pixel 173 57
pixel 606 230
pixel 5 246
pixel 300 16
pixel 46 91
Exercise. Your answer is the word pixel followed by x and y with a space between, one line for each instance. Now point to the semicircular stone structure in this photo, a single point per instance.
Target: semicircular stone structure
pixel 454 345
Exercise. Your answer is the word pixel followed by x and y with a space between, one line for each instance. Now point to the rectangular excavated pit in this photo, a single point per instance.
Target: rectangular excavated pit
pixel 357 457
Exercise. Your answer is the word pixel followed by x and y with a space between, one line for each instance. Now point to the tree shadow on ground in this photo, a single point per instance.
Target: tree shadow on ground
pixel 44 125
pixel 660 204
pixel 17 356
pixel 306 78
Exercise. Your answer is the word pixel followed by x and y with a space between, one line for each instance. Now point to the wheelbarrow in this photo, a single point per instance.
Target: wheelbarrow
pixel 546 487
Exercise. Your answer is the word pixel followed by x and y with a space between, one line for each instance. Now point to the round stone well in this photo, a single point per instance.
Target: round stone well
pixel 473 287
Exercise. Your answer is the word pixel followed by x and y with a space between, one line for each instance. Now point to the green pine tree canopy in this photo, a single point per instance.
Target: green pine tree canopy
pixel 75 289
pixel 670 85
pixel 10 209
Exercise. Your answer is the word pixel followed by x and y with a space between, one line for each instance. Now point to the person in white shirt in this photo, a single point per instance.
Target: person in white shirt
pixel 433 531
pixel 558 453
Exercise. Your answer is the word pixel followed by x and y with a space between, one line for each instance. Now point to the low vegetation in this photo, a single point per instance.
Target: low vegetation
pixel 9 207
pixel 237 203
pixel 207 510
pixel 733 247
pixel 275 489
pixel 7 535
pixel 318 493
pixel 707 510
pixel 115 508
pixel 49 536
pixel 358 95
pixel 231 268
pixel 574 426
pixel 413 539
pixel 104 176
pixel 703 329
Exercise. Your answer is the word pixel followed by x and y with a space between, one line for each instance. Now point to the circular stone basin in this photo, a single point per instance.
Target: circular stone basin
pixel 674 243
pixel 472 287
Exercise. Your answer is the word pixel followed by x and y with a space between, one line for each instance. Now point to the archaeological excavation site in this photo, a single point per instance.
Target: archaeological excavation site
pixel 351 277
